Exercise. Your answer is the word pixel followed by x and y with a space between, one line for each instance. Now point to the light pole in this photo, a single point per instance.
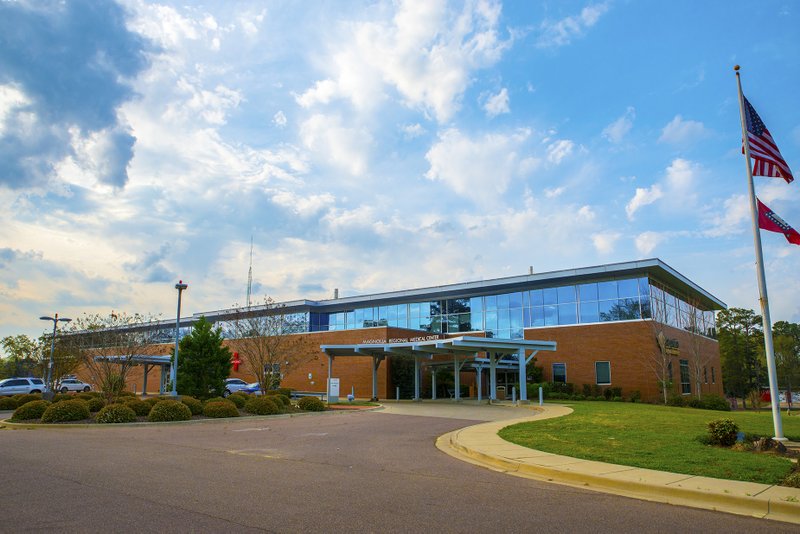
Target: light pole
pixel 55 320
pixel 173 372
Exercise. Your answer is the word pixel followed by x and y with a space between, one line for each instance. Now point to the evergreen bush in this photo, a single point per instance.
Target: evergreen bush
pixel 311 404
pixel 636 396
pixel 263 405
pixel 239 399
pixel 220 409
pixel 8 403
pixel 152 401
pixel 195 406
pixel 715 402
pixel 95 404
pixel 139 407
pixel 30 410
pixel 723 432
pixel 169 410
pixel 676 400
pixel 116 413
pixel 68 410
pixel 25 398
pixel 285 400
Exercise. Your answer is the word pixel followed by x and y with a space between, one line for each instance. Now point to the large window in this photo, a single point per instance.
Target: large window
pixel 560 373
pixel 602 372
pixel 686 386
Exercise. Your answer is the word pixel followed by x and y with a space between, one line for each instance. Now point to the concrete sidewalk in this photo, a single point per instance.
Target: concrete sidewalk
pixel 481 445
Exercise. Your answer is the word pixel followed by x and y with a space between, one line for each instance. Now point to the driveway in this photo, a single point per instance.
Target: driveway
pixel 375 471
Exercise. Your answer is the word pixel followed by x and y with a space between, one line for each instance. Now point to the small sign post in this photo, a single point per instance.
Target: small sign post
pixel 333 390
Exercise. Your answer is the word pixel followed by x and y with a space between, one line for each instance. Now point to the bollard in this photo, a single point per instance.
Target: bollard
pixel 514 395
pixel 541 396
pixel 398 394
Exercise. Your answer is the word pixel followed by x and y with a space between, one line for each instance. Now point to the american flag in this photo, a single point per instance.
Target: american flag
pixel 768 159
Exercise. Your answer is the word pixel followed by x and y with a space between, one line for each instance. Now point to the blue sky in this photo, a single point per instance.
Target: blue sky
pixel 372 146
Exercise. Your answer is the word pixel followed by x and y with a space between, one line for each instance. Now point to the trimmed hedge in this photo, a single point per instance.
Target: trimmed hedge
pixel 220 409
pixel 723 432
pixel 169 410
pixel 239 399
pixel 311 404
pixel 284 400
pixel 30 410
pixel 194 405
pixel 116 413
pixel 217 399
pixel 68 410
pixel 263 405
pixel 152 401
pixel 95 404
pixel 8 403
pixel 138 406
pixel 25 398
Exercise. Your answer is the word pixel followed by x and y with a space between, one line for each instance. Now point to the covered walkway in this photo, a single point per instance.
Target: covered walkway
pixel 464 351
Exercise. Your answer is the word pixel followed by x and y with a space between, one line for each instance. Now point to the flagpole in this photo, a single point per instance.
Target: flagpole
pixel 762 282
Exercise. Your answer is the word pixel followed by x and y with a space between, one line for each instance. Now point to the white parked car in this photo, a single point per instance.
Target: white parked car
pixel 13 386
pixel 72 384
pixel 232 385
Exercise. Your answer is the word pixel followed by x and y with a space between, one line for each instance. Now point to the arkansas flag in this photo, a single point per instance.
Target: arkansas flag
pixel 769 220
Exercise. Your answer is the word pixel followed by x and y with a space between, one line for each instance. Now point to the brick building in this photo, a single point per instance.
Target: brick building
pixel 613 325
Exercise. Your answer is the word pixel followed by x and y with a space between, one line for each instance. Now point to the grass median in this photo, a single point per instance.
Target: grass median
pixel 656 437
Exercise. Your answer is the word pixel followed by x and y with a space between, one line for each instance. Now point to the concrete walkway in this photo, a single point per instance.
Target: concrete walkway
pixel 481 445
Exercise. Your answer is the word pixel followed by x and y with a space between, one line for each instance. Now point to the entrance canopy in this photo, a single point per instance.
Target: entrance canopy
pixel 463 350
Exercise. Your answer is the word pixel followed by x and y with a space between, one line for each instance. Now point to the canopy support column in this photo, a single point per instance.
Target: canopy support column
pixel 163 384
pixel 376 361
pixel 492 376
pixel 416 379
pixel 479 370
pixel 523 377
pixel 433 384
pixel 457 378
pixel 144 381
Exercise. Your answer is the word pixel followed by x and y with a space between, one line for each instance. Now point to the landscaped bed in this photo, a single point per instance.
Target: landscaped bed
pixel 657 437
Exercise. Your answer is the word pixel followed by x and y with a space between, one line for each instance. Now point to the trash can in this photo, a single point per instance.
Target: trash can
pixel 500 393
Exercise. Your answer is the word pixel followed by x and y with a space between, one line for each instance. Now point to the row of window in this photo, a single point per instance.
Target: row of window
pixel 602 373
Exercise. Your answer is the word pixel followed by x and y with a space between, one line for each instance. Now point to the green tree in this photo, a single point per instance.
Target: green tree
pixel 21 355
pixel 203 363
pixel 787 354
pixel 740 338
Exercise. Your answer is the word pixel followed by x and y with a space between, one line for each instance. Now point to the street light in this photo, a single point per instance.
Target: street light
pixel 55 320
pixel 173 372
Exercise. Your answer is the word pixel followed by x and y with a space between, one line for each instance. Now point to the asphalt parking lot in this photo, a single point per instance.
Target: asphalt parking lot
pixel 332 472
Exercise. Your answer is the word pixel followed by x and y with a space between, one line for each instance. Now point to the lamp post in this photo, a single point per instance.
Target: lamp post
pixel 173 372
pixel 55 320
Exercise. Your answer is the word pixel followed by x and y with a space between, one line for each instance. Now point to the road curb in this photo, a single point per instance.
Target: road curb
pixel 479 444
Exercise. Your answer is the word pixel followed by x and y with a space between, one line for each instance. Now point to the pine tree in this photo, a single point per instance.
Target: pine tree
pixel 203 363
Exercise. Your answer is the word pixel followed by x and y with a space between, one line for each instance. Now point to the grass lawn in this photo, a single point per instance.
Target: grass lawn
pixel 656 437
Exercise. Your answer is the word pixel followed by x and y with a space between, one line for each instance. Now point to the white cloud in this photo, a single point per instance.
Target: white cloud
pixel 303 206
pixel 497 104
pixel 11 99
pixel 558 150
pixel 410 131
pixel 480 168
pixel 604 242
pixel 279 119
pixel 338 145
pixel 562 32
pixel 731 218
pixel 682 132
pixel 646 242
pixel 643 197
pixel 681 175
pixel 618 129
pixel 553 192
pixel 426 53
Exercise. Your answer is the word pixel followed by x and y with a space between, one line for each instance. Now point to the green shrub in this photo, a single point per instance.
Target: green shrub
pixel 793 480
pixel 599 398
pixel 715 402
pixel 117 413
pixel 220 409
pixel 95 404
pixel 533 390
pixel 25 398
pixel 618 399
pixel 579 397
pixel 30 410
pixel 97 394
pixel 217 399
pixel 239 399
pixel 152 401
pixel 263 405
pixel 311 404
pixel 122 393
pixel 285 400
pixel 563 387
pixel 723 432
pixel 615 392
pixel 195 406
pixel 636 396
pixel 84 396
pixel 8 403
pixel 139 407
pixel 587 390
pixel 58 397
pixel 68 410
pixel 285 391
pixel 169 410
pixel 608 394
pixel 676 400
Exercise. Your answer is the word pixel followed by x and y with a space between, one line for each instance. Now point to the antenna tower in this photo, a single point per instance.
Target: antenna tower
pixel 250 274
